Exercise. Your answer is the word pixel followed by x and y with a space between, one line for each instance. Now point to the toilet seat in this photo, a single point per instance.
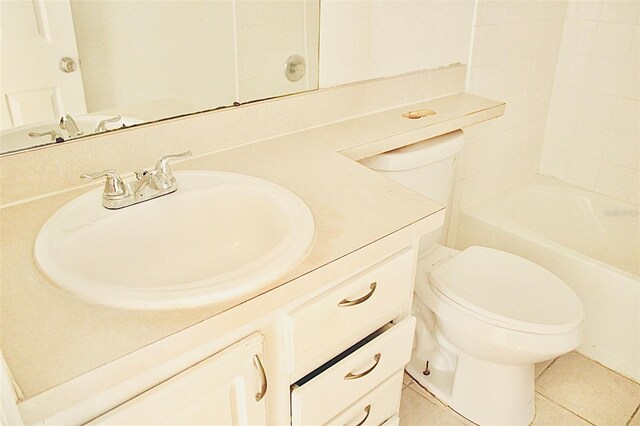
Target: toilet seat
pixel 508 291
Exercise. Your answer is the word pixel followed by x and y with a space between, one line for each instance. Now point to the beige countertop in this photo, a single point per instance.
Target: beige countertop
pixel 49 336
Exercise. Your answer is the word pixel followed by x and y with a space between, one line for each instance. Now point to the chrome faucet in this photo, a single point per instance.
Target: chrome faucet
pixel 148 185
pixel 69 124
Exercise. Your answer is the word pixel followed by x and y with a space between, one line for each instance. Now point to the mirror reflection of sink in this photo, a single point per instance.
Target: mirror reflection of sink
pixel 18 137
pixel 220 236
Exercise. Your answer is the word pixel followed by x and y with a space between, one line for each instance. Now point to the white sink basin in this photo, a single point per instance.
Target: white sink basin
pixel 18 137
pixel 220 236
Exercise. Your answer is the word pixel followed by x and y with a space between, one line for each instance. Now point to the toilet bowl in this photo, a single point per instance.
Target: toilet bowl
pixel 484 316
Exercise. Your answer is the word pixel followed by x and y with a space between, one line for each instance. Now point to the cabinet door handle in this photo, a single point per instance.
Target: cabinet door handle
pixel 367 410
pixel 263 378
pixel 364 298
pixel 352 376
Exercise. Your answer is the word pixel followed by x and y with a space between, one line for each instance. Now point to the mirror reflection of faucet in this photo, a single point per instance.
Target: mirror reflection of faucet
pixel 69 124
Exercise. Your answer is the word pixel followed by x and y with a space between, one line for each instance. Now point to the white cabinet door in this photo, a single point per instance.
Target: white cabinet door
pixel 221 390
pixel 36 35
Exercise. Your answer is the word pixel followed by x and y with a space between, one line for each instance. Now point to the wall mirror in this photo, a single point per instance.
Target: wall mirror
pixel 71 68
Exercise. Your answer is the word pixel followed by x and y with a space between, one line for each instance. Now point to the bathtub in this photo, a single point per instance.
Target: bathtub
pixel 589 240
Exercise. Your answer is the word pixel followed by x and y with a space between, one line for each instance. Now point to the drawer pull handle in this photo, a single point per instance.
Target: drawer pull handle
pixel 364 298
pixel 367 410
pixel 352 376
pixel 263 378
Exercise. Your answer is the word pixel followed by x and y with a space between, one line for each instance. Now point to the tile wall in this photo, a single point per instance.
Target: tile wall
pixel 267 34
pixel 362 40
pixel 514 55
pixel 238 47
pixel 592 134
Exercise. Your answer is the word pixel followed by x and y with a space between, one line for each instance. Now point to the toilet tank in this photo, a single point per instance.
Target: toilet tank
pixel 426 167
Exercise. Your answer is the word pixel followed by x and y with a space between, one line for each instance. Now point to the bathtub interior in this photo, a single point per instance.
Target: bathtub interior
pixel 598 226
pixel 517 222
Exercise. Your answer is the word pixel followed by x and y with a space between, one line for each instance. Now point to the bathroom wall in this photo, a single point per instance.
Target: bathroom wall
pixel 514 55
pixel 145 59
pixel 236 50
pixel 362 40
pixel 267 34
pixel 592 135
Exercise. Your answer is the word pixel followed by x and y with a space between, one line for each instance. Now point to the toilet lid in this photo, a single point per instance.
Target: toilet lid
pixel 508 290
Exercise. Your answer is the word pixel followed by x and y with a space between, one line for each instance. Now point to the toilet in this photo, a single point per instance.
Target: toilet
pixel 484 316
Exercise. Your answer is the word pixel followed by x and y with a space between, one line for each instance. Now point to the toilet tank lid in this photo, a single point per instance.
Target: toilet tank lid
pixel 419 154
pixel 510 290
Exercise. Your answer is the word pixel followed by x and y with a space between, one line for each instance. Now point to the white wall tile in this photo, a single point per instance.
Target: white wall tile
pixel 559 132
pixel 613 41
pixel 554 161
pixel 521 11
pixel 623 149
pixel 361 40
pixel 553 9
pixel 579 36
pixel 487 45
pixel 589 9
pixel 572 70
pixel 590 140
pixel 490 12
pixel 623 12
pixel 566 102
pixel 614 180
pixel 623 114
pixel 583 171
pixel 593 126
pixel 543 69
pixel 513 59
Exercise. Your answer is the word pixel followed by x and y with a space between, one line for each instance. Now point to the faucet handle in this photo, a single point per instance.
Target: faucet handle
pixel 113 186
pixel 55 135
pixel 101 127
pixel 163 164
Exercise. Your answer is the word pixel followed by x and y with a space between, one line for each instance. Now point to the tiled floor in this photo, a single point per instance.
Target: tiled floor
pixel 570 391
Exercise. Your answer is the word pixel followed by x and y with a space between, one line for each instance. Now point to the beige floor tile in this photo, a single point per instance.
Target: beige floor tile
pixel 550 414
pixel 541 366
pixel 416 410
pixel 635 421
pixel 590 390
pixel 427 395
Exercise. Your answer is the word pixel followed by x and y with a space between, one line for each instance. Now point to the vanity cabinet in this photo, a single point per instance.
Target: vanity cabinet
pixel 333 356
pixel 228 388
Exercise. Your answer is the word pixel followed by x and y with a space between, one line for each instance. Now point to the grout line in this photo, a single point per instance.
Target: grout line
pixel 632 415
pixel 608 368
pixel 545 369
pixel 440 404
pixel 564 408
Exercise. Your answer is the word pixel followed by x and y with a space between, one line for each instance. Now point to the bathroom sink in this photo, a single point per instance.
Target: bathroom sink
pixel 220 236
pixel 18 137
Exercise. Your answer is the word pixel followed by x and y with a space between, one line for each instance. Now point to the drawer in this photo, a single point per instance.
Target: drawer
pixel 327 325
pixel 376 407
pixel 317 400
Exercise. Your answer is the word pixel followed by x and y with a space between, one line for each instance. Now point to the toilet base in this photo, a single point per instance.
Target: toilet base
pixel 484 392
